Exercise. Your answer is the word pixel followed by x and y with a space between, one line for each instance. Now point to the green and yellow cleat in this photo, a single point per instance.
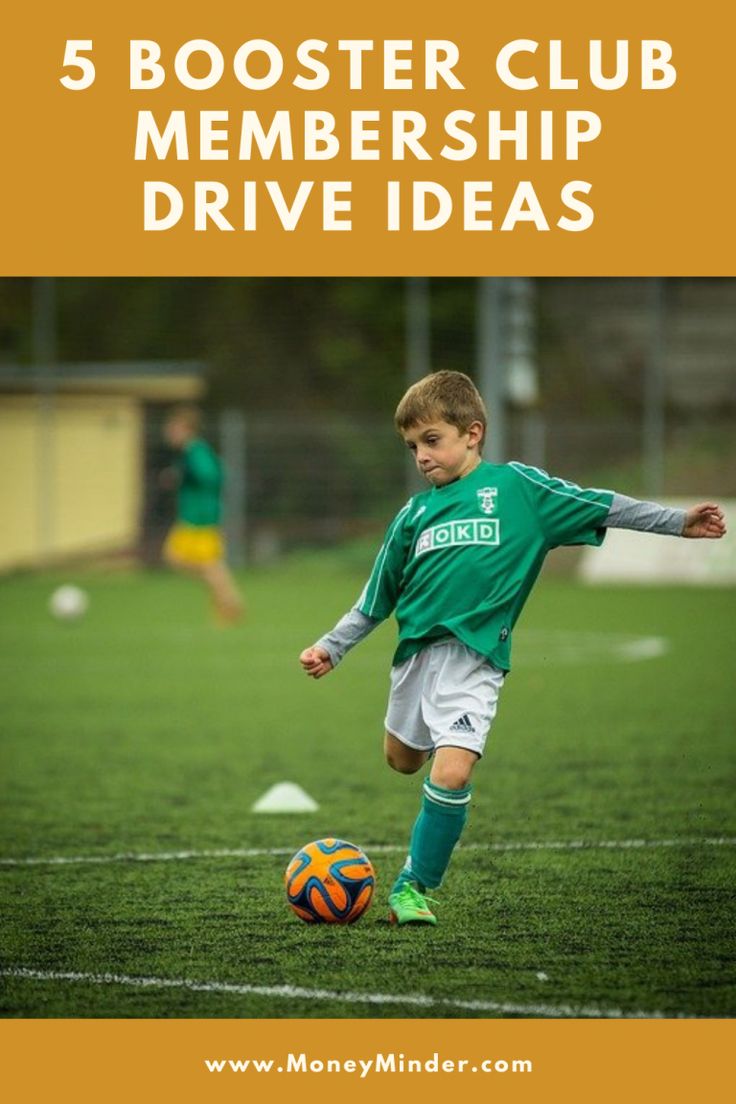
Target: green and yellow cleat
pixel 409 906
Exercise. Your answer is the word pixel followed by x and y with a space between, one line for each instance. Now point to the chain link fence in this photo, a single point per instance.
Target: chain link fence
pixel 628 383
pixel 319 481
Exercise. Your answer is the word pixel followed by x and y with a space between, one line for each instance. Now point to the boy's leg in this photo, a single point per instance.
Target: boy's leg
pixel 223 590
pixel 459 695
pixel 442 816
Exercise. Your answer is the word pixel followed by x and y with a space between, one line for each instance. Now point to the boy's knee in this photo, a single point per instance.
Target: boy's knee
pixel 401 758
pixel 451 779
pixel 403 768
pixel 452 768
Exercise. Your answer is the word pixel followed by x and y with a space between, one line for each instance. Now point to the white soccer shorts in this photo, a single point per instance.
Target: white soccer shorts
pixel 444 696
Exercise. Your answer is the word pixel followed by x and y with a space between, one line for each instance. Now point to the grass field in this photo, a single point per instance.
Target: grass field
pixel 146 730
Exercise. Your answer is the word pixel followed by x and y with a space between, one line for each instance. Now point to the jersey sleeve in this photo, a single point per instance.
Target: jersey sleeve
pixel 567 513
pixel 381 592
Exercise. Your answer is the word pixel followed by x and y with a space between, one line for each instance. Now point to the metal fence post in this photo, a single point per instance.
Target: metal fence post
pixel 233 440
pixel 654 394
pixel 418 338
pixel 43 356
pixel 490 364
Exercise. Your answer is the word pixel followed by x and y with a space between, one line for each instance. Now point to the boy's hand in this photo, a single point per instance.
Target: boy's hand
pixel 168 479
pixel 705 520
pixel 316 662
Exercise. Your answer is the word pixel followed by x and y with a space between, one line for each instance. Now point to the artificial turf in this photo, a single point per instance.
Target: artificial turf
pixel 145 728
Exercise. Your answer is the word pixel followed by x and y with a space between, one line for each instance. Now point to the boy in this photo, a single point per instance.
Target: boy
pixel 457 564
pixel 194 544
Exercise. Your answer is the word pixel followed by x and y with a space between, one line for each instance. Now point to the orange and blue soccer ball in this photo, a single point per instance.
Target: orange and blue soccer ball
pixel 330 881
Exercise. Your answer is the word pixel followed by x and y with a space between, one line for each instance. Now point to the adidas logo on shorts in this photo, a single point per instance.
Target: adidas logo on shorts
pixel 462 724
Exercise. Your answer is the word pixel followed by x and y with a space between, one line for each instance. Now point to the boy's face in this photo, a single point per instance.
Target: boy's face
pixel 177 432
pixel 443 453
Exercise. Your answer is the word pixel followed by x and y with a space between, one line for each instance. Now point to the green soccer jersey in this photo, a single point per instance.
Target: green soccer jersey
pixel 460 560
pixel 198 501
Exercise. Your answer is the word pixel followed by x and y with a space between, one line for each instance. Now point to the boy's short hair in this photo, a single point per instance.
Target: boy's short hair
pixel 190 415
pixel 449 396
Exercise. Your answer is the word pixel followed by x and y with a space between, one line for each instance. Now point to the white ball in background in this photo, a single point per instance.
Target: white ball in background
pixel 68 603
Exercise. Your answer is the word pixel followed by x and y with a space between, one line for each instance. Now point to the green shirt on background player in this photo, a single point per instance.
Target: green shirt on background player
pixel 456 566
pixel 198 500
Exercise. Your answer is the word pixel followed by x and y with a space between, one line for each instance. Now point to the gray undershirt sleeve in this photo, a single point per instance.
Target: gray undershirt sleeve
pixel 648 517
pixel 349 631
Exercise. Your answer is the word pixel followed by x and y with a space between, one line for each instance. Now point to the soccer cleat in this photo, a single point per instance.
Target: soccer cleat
pixel 409 906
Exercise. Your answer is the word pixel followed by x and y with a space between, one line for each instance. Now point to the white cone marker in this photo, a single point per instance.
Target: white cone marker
pixel 285 797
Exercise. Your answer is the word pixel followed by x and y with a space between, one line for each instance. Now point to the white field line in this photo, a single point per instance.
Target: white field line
pixel 293 992
pixel 259 852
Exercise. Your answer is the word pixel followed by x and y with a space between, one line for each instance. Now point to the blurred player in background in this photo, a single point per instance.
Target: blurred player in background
pixel 195 543
pixel 456 566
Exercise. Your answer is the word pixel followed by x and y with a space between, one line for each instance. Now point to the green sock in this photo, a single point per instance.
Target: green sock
pixel 434 835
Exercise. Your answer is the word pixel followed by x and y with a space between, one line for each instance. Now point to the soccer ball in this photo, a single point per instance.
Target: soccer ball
pixel 68 603
pixel 329 882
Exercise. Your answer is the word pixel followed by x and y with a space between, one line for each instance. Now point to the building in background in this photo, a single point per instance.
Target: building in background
pixel 73 456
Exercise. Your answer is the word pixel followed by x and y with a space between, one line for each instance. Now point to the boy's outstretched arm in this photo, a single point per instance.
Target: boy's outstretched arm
pixel 706 520
pixel 375 604
pixel 325 655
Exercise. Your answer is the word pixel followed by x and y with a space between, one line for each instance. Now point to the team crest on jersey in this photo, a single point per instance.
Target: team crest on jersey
pixel 487 499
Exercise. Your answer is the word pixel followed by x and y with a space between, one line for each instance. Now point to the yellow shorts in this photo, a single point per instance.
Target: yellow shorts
pixel 194 545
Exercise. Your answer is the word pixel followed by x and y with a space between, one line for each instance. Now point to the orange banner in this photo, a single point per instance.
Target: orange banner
pixel 168 139
pixel 393 1060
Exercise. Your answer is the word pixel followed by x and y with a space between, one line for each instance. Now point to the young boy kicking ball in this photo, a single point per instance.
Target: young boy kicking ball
pixel 456 567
